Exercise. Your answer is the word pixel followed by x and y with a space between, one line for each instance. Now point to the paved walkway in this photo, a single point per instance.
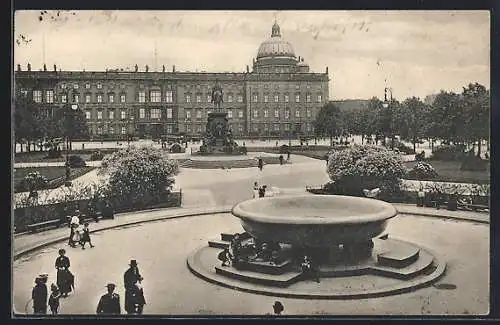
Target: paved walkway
pixel 24 243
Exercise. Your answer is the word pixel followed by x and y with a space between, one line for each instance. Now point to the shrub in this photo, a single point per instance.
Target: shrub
pixel 139 176
pixel 76 161
pixel 448 152
pixel 176 148
pixel 404 148
pixel 420 156
pixel 242 150
pixel 54 153
pixel 422 171
pixel 365 167
pixel 33 182
pixel 284 148
pixel 96 155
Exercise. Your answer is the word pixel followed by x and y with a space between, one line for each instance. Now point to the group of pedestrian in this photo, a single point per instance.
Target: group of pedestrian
pixel 109 303
pixel 79 234
pixel 259 191
pixel 65 284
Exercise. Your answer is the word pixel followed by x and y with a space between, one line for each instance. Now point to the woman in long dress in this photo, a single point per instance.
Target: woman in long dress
pixel 64 276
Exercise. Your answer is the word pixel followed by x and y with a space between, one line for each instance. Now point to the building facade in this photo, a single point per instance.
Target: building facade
pixel 278 97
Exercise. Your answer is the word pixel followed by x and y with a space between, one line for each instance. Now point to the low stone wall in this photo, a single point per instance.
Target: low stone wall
pixel 24 216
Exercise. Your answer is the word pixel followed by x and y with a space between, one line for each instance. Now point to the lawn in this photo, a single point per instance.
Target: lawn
pixel 55 174
pixel 36 156
pixel 449 171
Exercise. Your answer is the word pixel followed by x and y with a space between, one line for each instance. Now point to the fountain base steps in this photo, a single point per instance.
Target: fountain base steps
pixel 274 280
pixel 365 278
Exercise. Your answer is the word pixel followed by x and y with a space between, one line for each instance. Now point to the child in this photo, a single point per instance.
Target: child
pixel 85 236
pixel 54 299
pixel 255 190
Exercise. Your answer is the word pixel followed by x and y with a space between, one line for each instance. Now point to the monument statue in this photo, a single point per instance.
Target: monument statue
pixel 217 96
pixel 218 137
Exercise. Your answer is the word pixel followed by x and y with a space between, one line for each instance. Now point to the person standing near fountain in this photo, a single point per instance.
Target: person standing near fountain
pixel 255 190
pixel 309 270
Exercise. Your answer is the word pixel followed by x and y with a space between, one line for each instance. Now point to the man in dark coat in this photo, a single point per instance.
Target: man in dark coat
pixel 134 298
pixel 39 296
pixel 110 302
pixel 64 276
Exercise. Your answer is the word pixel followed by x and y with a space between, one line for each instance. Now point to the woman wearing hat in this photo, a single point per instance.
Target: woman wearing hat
pixel 64 277
pixel 39 295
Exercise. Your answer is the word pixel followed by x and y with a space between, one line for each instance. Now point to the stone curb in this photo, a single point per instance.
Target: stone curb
pixel 402 209
pixel 188 213
pixel 412 285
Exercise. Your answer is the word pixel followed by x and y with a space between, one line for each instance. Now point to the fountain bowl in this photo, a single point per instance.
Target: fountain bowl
pixel 314 220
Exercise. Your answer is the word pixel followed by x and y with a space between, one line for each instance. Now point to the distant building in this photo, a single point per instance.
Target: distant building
pixel 279 97
pixel 351 104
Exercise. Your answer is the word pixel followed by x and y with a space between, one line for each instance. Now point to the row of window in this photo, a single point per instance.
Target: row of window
pixel 154 113
pixel 155 96
pixel 255 113
pixel 277 127
pixel 255 98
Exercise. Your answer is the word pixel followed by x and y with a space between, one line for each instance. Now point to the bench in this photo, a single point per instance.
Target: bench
pixel 54 223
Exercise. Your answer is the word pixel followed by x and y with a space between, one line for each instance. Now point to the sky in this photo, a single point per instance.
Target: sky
pixel 415 53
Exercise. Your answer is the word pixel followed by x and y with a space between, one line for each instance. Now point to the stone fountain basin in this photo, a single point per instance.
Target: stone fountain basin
pixel 314 220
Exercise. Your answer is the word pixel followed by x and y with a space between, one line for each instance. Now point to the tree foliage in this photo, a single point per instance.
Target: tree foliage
pixel 365 167
pixel 139 176
pixel 328 122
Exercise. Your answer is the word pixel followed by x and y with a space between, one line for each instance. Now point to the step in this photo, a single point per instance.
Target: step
pixel 399 256
pixel 276 280
pixel 216 243
pixel 416 268
pixel 266 267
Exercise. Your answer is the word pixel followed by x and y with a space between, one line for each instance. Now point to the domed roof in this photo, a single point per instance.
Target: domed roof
pixel 275 46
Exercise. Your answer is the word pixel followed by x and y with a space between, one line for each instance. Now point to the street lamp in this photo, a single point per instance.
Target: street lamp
pixel 74 108
pixel 386 105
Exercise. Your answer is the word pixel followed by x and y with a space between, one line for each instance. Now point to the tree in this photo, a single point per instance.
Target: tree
pixel 365 167
pixel 410 120
pixel 328 122
pixel 475 102
pixel 446 119
pixel 138 176
pixel 27 117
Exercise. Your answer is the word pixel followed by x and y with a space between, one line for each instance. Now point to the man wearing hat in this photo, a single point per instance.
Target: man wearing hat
pixel 134 296
pixel 109 302
pixel 39 294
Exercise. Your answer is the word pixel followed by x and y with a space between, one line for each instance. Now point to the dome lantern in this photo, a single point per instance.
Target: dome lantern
pixel 275 32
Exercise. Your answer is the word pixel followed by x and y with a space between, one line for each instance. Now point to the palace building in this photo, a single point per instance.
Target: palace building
pixel 279 96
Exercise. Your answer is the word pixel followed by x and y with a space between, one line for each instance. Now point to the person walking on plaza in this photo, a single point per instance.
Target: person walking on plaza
pixel 109 304
pixel 65 280
pixel 85 236
pixel 54 299
pixel 73 224
pixel 39 295
pixel 134 297
pixel 420 197
pixel 260 164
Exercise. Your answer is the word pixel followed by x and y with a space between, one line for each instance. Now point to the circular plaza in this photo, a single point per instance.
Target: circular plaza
pixel 162 248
